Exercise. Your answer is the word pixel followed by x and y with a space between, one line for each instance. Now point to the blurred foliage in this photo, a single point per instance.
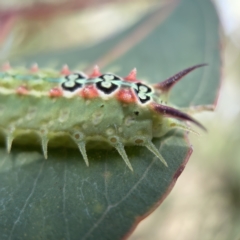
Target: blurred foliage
pixel 42 26
pixel 205 203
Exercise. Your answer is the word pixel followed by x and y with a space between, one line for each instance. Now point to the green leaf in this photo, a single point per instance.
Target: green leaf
pixel 61 198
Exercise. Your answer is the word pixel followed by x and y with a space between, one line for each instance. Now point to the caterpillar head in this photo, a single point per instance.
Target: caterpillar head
pixel 147 94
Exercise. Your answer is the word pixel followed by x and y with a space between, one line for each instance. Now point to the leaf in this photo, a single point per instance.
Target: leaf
pixel 60 198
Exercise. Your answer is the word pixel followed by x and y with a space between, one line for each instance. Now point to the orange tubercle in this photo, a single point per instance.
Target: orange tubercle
pixel 34 68
pixel 65 70
pixel 132 76
pixel 126 96
pixel 22 90
pixel 89 92
pixel 6 66
pixel 55 92
pixel 95 73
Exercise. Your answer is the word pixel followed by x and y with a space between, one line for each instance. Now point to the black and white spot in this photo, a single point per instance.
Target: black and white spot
pixel 74 81
pixel 108 83
pixel 143 92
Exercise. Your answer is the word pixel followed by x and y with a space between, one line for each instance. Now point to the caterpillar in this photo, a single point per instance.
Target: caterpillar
pixel 70 108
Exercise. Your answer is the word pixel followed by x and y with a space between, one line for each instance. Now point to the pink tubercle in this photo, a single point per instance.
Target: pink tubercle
pixel 89 92
pixel 34 68
pixel 132 76
pixel 6 66
pixel 22 90
pixel 55 92
pixel 126 96
pixel 95 73
pixel 65 70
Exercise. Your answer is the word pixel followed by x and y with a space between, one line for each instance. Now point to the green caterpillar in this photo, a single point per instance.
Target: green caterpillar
pixel 70 108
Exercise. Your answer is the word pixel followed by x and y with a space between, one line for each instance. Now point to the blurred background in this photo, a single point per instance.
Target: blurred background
pixel 205 202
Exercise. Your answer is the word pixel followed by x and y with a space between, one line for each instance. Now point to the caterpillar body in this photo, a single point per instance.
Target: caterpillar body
pixel 71 108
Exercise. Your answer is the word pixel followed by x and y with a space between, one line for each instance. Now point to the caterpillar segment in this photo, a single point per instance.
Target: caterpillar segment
pixel 120 148
pixel 45 140
pixel 151 147
pixel 165 86
pixel 80 141
pixel 174 113
pixel 9 140
pixel 82 148
pixel 72 109
pixel 34 68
